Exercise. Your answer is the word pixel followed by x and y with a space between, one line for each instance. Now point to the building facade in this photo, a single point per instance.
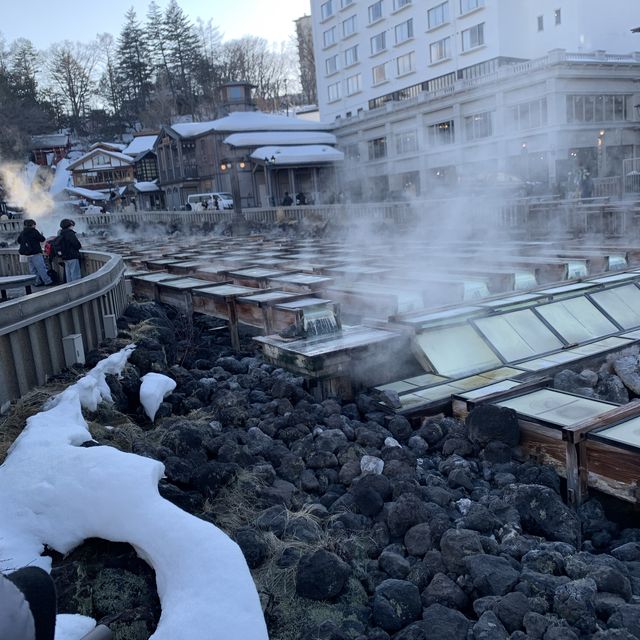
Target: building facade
pixel 425 95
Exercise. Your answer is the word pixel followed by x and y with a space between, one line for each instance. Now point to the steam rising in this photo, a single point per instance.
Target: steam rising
pixel 25 189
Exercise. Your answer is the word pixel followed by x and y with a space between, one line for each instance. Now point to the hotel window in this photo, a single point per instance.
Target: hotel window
pixel 398 4
pixel 375 11
pixel 440 50
pixel 329 37
pixel 352 151
pixel 597 108
pixel 349 26
pixel 473 37
pixel 379 73
pixel 529 115
pixel 404 31
pixel 333 91
pixel 331 64
pixel 351 55
pixel 406 142
pixel 326 9
pixel 377 148
pixel 406 63
pixel 438 15
pixel 441 133
pixel 540 23
pixel 378 43
pixel 354 84
pixel 345 3
pixel 557 16
pixel 479 125
pixel 470 5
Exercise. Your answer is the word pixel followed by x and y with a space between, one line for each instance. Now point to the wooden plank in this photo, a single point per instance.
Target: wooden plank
pixel 578 432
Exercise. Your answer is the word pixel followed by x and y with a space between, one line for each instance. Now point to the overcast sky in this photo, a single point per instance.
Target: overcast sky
pixel 47 21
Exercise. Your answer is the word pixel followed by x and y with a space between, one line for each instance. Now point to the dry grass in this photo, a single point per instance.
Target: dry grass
pixel 12 424
pixel 287 613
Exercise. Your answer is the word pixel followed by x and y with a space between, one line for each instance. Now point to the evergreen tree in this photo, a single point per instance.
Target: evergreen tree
pixel 182 55
pixel 159 50
pixel 134 67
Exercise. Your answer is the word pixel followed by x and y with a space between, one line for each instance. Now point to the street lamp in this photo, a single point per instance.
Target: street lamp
pixel 268 162
pixel 238 223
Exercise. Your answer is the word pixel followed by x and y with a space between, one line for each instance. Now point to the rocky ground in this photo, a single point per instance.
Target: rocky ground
pixel 357 525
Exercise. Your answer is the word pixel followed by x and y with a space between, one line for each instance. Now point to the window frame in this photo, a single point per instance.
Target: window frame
pixel 375 8
pixel 443 42
pixel 478 30
pixel 353 21
pixel 439 11
pixel 332 31
pixel 382 36
pixel 408 31
pixel 411 56
pixel 326 10
pixel 356 58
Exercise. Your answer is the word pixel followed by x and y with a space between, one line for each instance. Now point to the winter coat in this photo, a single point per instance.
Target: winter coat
pixel 68 245
pixel 29 241
pixel 16 620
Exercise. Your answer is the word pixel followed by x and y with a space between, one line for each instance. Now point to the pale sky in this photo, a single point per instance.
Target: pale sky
pixel 47 21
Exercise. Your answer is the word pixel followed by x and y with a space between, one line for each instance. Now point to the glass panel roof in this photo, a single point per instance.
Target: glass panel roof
pixel 627 432
pixel 556 407
pixel 496 387
pixel 456 350
pixel 622 304
pixel 519 334
pixel 576 319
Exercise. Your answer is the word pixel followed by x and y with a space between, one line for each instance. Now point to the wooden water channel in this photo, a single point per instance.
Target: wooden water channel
pixel 481 327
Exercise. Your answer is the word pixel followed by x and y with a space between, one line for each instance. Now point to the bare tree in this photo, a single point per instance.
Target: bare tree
pixel 71 69
pixel 306 59
pixel 108 86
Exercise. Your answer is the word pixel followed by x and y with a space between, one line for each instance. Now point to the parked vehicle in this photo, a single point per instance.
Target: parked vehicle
pixel 209 201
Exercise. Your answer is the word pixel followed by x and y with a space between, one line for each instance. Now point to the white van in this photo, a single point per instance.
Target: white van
pixel 209 201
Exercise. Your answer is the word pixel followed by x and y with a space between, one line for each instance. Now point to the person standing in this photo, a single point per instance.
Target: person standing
pixel 29 241
pixel 68 248
pixel 287 201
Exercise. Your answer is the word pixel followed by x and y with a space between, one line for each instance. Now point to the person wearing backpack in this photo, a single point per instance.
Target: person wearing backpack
pixel 68 247
pixel 29 241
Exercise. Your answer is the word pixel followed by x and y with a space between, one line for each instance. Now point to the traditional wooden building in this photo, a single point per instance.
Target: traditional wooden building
pixel 100 170
pixel 47 150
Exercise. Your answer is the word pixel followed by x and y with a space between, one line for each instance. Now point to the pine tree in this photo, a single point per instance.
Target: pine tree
pixel 134 68
pixel 183 56
pixel 159 49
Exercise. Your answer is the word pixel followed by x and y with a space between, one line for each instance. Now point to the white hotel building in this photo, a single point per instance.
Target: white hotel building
pixel 429 92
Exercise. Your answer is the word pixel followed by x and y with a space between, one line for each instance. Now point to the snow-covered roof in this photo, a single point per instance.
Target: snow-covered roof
pixel 258 121
pixel 146 187
pixel 263 138
pixel 244 121
pixel 140 144
pixel 86 193
pixel 303 154
pixel 111 146
pixel 191 129
pixel 112 154
pixel 49 140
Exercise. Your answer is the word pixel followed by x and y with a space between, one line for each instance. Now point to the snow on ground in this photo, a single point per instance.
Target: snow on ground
pixel 55 492
pixel 153 389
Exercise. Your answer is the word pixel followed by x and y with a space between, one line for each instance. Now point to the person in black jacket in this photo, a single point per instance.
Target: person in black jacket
pixel 68 248
pixel 29 241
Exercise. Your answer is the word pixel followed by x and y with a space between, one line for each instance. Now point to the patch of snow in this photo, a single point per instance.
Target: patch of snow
pixel 154 388
pixel 57 493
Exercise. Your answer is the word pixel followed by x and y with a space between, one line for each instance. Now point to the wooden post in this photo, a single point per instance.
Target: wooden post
pixel 233 324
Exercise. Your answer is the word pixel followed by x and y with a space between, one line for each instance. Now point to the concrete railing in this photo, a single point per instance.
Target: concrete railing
pixel 45 332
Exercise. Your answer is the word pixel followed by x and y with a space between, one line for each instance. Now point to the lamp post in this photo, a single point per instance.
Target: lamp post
pixel 602 154
pixel 268 162
pixel 238 224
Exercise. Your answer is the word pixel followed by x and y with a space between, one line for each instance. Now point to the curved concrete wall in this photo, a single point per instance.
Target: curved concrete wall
pixel 32 327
